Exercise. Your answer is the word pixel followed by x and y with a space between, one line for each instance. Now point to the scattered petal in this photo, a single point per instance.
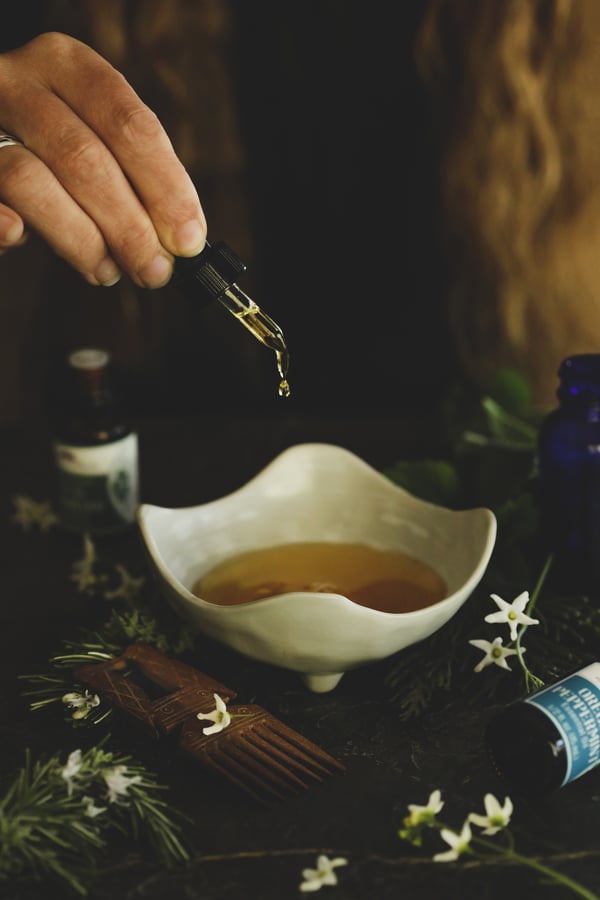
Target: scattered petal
pixel 82 571
pixel 421 817
pixel 426 814
pixel 28 512
pixel 128 588
pixel 118 782
pixel 91 809
pixel 314 879
pixel 496 817
pixel 513 614
pixel 459 843
pixel 72 769
pixel 81 704
pixel 219 716
pixel 494 653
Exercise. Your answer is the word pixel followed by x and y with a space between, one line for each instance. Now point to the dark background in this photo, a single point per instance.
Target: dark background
pixel 340 171
pixel 343 191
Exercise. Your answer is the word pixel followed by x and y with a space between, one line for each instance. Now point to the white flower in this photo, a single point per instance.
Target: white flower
pixel 82 571
pixel 82 704
pixel 118 782
pixel 129 587
pixel 496 817
pixel 219 716
pixel 425 814
pixel 28 513
pixel 71 770
pixel 494 653
pixel 314 879
pixel 459 843
pixel 91 809
pixel 512 613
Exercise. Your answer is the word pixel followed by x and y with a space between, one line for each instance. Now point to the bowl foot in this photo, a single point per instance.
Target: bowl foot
pixel 320 684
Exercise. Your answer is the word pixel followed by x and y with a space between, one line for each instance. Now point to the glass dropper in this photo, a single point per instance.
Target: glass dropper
pixel 212 275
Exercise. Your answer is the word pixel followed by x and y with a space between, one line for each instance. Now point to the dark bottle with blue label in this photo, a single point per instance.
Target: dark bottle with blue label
pixel 551 737
pixel 569 473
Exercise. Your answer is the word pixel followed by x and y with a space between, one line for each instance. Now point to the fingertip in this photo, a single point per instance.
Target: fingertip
pixel 11 229
pixel 156 273
pixel 190 238
pixel 112 281
pixel 107 273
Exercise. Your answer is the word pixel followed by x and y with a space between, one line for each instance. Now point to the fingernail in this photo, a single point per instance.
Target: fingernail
pixel 190 238
pixel 107 273
pixel 13 229
pixel 156 273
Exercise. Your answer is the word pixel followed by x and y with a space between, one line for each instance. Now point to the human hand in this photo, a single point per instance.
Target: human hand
pixel 97 176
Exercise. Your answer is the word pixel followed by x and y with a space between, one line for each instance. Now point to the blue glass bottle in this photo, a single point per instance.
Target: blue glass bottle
pixel 569 472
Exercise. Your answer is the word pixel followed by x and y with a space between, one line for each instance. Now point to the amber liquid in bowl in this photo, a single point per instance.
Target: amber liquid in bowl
pixel 385 580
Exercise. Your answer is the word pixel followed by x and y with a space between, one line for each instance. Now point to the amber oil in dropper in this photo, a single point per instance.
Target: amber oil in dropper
pixel 211 275
pixel 264 330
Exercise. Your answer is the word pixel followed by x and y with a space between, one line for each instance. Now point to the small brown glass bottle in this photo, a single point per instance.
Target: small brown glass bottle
pixel 95 448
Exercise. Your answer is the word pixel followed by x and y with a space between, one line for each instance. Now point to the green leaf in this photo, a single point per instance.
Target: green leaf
pixel 506 427
pixel 511 390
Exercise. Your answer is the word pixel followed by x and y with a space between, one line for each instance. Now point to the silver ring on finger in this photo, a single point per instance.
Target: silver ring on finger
pixel 9 140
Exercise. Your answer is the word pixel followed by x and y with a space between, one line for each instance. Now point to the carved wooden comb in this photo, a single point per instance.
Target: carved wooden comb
pixel 256 752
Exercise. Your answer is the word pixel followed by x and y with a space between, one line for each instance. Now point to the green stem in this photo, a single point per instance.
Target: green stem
pixel 540 583
pixel 497 412
pixel 531 680
pixel 557 877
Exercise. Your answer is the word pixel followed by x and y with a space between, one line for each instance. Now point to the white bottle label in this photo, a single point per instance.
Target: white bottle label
pixel 573 705
pixel 98 487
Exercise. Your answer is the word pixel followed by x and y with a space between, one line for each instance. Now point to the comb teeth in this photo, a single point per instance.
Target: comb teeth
pixel 259 754
pixel 256 752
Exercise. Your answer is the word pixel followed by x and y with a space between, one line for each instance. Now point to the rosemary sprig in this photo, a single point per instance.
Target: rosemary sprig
pixel 42 829
pixel 122 628
pixel 56 815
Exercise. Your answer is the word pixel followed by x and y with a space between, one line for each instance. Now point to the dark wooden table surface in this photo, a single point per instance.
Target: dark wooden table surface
pixel 240 850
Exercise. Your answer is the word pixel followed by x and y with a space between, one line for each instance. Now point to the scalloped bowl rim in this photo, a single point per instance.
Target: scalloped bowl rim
pixel 277 629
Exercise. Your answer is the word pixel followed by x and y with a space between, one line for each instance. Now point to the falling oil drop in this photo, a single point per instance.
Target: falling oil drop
pixel 283 362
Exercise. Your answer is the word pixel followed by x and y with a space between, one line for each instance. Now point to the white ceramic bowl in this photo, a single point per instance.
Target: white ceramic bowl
pixel 315 492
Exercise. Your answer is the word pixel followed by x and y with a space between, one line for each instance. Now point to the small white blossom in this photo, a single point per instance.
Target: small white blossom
pixel 496 816
pixel 118 782
pixel 72 768
pixel 91 809
pixel 81 704
pixel 219 716
pixel 82 571
pixel 459 843
pixel 425 814
pixel 28 513
pixel 512 613
pixel 314 879
pixel 129 587
pixel 494 653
